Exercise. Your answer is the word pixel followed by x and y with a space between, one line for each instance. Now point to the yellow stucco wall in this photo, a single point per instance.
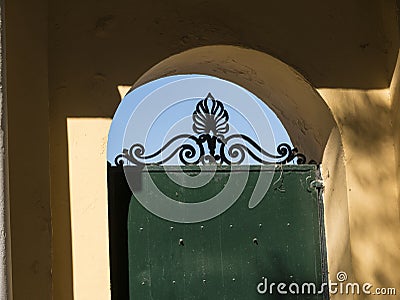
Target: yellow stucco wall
pixel 336 211
pixel 395 109
pixel 365 123
pixel 65 61
pixel 88 202
pixel 28 131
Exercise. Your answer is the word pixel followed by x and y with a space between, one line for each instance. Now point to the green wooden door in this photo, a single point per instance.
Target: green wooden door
pixel 227 257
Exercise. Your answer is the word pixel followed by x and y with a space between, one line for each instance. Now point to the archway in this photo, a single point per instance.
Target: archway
pixel 300 108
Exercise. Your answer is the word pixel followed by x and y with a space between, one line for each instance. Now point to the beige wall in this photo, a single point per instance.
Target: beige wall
pixel 337 227
pixel 395 108
pixel 28 115
pixel 28 102
pixel 67 62
pixel 88 202
pixel 365 123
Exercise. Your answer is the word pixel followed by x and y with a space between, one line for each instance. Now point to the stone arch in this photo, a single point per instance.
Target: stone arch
pixel 300 108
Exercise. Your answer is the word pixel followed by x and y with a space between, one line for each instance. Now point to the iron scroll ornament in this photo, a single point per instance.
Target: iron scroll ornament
pixel 210 122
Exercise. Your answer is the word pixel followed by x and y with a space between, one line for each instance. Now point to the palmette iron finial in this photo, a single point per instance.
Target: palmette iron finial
pixel 210 122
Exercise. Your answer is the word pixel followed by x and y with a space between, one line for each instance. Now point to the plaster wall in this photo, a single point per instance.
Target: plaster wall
pixel 337 227
pixel 364 120
pixel 88 201
pixel 28 131
pixel 67 58
pixel 395 108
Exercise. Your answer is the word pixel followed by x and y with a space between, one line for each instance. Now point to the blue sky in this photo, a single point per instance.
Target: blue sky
pixel 155 112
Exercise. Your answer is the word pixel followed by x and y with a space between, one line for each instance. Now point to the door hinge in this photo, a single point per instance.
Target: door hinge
pixel 317 184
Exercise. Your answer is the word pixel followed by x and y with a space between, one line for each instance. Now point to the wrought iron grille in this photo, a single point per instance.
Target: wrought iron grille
pixel 210 123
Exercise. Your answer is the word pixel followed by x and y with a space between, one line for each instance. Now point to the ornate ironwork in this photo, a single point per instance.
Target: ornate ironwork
pixel 210 122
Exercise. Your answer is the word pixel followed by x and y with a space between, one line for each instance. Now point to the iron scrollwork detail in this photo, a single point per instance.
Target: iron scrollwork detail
pixel 210 123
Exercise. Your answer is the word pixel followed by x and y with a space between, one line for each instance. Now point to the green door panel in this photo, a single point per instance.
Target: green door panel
pixel 228 256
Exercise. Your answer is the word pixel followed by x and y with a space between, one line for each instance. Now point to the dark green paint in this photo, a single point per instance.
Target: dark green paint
pixel 219 259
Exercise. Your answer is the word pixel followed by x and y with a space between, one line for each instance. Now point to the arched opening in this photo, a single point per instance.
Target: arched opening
pixel 146 116
pixel 300 108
